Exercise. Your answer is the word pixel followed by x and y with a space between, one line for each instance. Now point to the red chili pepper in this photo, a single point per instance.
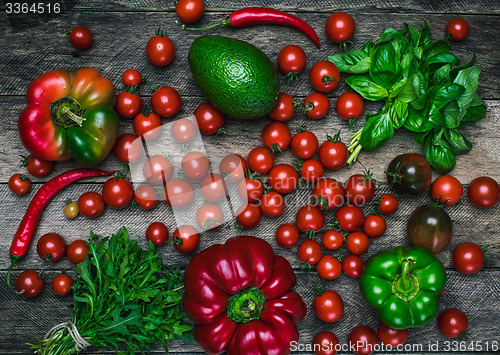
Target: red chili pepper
pixel 249 16
pixel 29 223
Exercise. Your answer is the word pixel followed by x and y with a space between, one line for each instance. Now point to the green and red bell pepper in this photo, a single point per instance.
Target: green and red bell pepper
pixel 70 115
pixel 239 296
pixel 402 284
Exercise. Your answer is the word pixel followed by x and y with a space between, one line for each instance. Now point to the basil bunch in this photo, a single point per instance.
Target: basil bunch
pixel 424 89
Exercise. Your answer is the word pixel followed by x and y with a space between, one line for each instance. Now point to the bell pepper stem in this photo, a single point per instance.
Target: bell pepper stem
pixel 406 285
pixel 67 112
pixel 246 305
pixel 405 274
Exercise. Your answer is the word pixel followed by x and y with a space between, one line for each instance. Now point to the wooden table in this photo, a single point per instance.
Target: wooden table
pixel 32 45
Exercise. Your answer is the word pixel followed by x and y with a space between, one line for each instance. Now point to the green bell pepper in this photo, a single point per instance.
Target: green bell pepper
pixel 402 284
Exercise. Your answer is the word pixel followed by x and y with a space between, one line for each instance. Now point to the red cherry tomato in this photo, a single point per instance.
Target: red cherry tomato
pixel 350 217
pixel 283 178
pixel 29 283
pixel 37 166
pixel 148 126
pixel 19 184
pixel 468 258
pixel 287 235
pixel 304 144
pixel 128 105
pixel 484 192
pixel 325 343
pixel 260 160
pixel 183 130
pixel 166 101
pixel 51 247
pixel 233 167
pixel 452 322
pixel 77 251
pixel 309 251
pixel 458 28
pixel 160 50
pixel 388 204
pixel 332 239
pixel 248 215
pixel 250 190
pixel 350 105
pixel 276 136
pixel 179 193
pixel 209 217
pixel 213 188
pixel 309 218
pixel 186 239
pixel 157 233
pixel 292 59
pixel 374 226
pixel 61 284
pixel 272 204
pixel 352 265
pixel 328 193
pixel 91 204
pixel 317 105
pixel 333 153
pixel 312 170
pixel 117 192
pixel 131 77
pixel 357 243
pixel 128 148
pixel 393 337
pixel 80 37
pixel 329 306
pixel 157 170
pixel 195 165
pixel 340 27
pixel 365 336
pixel 447 190
pixel 146 197
pixel 284 109
pixel 324 76
pixel 328 267
pixel 190 11
pixel 359 189
pixel 210 120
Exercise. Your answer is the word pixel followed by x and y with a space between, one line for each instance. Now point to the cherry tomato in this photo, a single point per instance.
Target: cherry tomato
pixel 209 217
pixel 309 251
pixel 374 226
pixel 213 188
pixel 393 337
pixel 190 11
pixel 233 167
pixel 483 192
pixel 128 105
pixel 284 109
pixel 166 101
pixel 332 239
pixel 77 251
pixel 388 204
pixel 350 105
pixel 183 130
pixel 186 239
pixel 248 215
pixel 452 322
pixel 468 258
pixel 329 267
pixel 357 243
pixel 276 136
pixel 157 233
pixel 328 306
pixel 333 153
pixel 304 144
pixel 179 193
pixel 91 204
pixel 312 170
pixel 362 335
pixel 260 160
pixel 146 197
pixel 272 204
pixel 160 50
pixel 328 193
pixel 359 189
pixel 147 126
pixel 409 173
pixel 157 170
pixel 117 193
pixel 71 210
pixel 309 218
pixel 292 59
pixel 283 178
pixel 250 190
pixel 80 37
pixel 210 120
pixel 325 343
pixel 19 184
pixel 352 265
pixel 51 247
pixel 458 28
pixel 447 190
pixel 324 76
pixel 195 165
pixel 287 235
pixel 350 217
pixel 128 148
pixel 61 284
pixel 317 105
pixel 29 283
pixel 37 166
pixel 340 27
pixel 131 77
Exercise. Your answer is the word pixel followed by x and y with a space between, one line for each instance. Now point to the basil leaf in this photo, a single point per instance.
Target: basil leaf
pixel 445 93
pixel 367 47
pixel 474 113
pixel 477 101
pixel 396 38
pixel 436 48
pixel 398 113
pixel 469 64
pixel 451 114
pixel 420 88
pixel 420 137
pixel 418 52
pixel 364 86
pixel 434 115
pixel 442 58
pixel 414 34
pixel 469 79
pixel 442 75
pixel 425 36
pixel 407 92
pixel 385 68
pixel 458 142
pixel 439 153
pixel 347 60
pixel 378 129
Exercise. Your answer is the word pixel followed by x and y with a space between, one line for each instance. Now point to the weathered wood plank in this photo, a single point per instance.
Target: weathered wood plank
pixel 477 295
pixel 120 39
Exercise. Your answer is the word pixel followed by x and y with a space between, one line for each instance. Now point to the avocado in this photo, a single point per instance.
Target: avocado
pixel 235 76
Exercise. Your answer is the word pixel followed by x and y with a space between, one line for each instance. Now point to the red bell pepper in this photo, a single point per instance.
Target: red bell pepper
pixel 239 296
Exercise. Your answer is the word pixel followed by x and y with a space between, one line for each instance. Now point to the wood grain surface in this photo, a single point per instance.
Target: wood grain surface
pixel 33 44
